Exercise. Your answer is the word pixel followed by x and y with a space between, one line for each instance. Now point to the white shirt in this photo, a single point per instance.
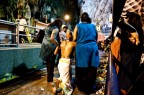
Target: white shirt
pixel 62 36
pixel 22 22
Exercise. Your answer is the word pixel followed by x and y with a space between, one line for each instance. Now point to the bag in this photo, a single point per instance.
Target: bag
pixel 40 36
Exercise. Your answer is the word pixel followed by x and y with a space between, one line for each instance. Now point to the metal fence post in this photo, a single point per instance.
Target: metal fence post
pixel 17 34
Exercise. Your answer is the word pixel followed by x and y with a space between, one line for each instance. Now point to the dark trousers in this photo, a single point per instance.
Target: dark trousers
pixel 24 37
pixel 86 79
pixel 50 63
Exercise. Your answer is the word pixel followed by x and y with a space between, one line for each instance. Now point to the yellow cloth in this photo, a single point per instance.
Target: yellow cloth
pixel 28 35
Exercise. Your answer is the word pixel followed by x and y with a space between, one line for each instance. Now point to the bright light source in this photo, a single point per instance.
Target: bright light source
pixel 67 17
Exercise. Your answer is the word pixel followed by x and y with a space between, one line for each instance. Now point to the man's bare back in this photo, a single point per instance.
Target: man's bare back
pixel 67 48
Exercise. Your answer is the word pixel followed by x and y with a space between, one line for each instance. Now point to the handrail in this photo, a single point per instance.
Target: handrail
pixel 112 86
pixel 7 22
pixel 16 24
pixel 7 33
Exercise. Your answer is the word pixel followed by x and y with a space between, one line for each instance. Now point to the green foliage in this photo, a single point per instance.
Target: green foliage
pixel 7 77
pixel 10 9
pixel 2 14
pixel 7 8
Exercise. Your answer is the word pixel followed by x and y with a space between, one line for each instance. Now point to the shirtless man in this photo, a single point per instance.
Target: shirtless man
pixel 67 48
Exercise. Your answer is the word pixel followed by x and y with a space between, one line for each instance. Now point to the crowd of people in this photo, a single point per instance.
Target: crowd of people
pixel 58 39
pixel 81 44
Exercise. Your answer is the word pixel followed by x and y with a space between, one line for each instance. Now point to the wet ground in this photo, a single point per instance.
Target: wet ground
pixel 35 82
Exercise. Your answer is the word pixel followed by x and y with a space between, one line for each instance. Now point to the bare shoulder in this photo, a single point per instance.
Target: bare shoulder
pixel 63 43
pixel 55 30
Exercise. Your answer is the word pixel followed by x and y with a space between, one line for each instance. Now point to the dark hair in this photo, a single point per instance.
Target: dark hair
pixel 71 34
pixel 21 16
pixel 134 19
pixel 85 18
pixel 57 22
pixel 65 27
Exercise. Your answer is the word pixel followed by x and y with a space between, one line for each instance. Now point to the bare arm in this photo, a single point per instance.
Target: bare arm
pixel 53 37
pixel 96 35
pixel 56 50
pixel 74 43
pixel 75 33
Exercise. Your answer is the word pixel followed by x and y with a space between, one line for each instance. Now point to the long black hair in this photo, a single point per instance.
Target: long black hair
pixel 57 22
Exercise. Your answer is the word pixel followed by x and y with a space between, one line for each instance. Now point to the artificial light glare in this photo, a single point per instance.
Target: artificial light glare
pixel 67 17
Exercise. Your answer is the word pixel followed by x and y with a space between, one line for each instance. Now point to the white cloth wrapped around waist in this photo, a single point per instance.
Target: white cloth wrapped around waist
pixel 64 71
pixel 64 68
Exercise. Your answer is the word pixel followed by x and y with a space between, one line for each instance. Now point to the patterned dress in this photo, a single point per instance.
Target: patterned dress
pixel 47 48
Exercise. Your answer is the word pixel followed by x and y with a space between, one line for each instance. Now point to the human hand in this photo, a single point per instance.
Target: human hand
pixel 56 50
pixel 134 38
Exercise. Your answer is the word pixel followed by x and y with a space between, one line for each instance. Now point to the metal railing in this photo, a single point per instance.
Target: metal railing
pixel 15 33
pixel 112 86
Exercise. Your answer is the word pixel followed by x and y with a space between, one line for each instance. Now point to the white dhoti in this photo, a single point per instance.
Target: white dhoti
pixel 64 71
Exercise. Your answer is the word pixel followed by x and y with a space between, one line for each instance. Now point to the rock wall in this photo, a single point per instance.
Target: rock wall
pixel 99 10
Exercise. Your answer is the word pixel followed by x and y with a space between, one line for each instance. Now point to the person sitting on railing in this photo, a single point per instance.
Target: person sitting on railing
pixel 21 29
